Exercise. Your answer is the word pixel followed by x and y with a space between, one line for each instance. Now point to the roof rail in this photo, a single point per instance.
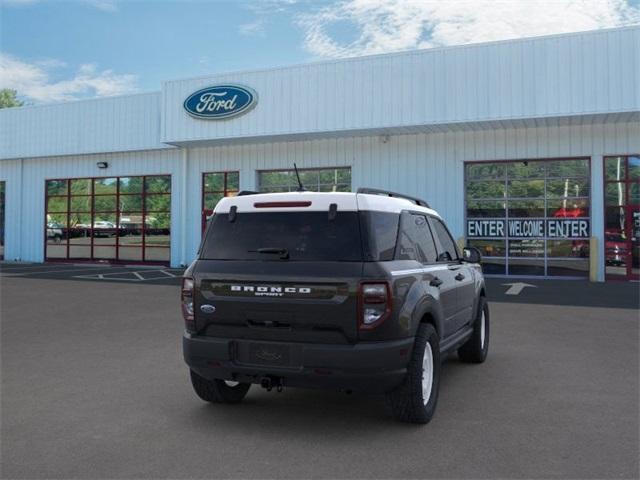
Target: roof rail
pixel 387 193
pixel 242 193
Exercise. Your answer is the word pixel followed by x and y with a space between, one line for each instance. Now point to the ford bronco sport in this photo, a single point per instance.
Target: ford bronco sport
pixel 361 291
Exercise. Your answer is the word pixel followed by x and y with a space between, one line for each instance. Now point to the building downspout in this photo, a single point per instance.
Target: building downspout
pixel 21 235
pixel 597 243
pixel 183 208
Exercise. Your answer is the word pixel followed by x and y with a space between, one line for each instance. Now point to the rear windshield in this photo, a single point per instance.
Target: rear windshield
pixel 307 236
pixel 284 236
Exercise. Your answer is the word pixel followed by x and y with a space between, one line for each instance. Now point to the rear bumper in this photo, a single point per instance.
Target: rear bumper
pixel 363 367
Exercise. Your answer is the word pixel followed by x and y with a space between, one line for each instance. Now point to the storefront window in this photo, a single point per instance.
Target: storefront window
pixel 530 217
pixel 525 188
pixel 485 208
pixel 633 168
pixel 526 169
pixel 622 217
pixel 526 208
pixel 215 186
pixel 316 180
pixel 111 219
pixel 485 171
pixel 486 189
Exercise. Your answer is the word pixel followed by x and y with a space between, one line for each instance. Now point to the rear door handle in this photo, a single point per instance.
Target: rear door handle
pixel 436 282
pixel 459 277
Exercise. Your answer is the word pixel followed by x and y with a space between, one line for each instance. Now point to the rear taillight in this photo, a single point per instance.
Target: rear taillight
pixel 186 299
pixel 374 302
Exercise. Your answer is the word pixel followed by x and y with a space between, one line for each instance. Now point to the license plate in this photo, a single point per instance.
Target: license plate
pixel 266 354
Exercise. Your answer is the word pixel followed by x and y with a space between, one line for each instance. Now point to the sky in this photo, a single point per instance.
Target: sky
pixel 55 50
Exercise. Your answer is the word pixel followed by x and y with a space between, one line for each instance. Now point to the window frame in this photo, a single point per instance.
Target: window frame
pixel 439 247
pixel 91 231
pixel 226 193
pixel 506 199
pixel 427 217
pixel 627 181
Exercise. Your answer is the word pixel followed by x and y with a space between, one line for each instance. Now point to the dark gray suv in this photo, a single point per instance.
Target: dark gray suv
pixel 361 291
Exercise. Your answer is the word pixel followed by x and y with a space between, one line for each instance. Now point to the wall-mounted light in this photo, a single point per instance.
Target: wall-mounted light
pixel 102 165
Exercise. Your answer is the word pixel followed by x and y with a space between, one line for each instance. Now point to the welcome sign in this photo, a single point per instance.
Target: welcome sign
pixel 528 228
pixel 220 102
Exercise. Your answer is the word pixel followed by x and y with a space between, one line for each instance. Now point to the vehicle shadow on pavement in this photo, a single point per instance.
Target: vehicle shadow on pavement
pixel 348 414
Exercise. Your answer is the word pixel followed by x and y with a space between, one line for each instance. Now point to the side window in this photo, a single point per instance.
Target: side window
pixel 415 241
pixel 379 234
pixel 449 251
pixel 428 243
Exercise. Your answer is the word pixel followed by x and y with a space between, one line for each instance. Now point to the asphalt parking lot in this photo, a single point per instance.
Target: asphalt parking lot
pixel 93 386
pixel 93 272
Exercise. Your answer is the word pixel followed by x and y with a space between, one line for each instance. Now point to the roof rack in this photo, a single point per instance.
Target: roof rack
pixel 387 193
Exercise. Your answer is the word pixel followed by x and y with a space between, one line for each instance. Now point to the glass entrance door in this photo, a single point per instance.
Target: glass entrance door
pixel 622 217
pixel 530 217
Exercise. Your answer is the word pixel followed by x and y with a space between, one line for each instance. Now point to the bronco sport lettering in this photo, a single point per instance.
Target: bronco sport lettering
pixel 277 291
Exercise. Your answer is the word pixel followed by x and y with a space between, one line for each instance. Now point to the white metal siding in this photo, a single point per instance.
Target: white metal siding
pixel 25 202
pixel 593 76
pixel 11 174
pixel 115 124
pixel 558 76
pixel 425 165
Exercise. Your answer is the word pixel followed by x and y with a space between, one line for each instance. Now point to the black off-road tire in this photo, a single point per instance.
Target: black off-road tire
pixel 476 348
pixel 406 402
pixel 217 391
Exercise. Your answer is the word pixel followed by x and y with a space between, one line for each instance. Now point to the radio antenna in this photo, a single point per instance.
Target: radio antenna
pixel 300 186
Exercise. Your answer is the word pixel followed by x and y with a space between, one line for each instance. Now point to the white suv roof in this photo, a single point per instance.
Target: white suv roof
pixel 318 201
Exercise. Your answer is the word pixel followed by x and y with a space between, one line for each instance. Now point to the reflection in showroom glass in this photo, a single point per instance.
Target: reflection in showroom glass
pixel 105 219
pixel 546 215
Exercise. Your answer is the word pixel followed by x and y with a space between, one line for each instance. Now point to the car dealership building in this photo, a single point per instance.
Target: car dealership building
pixel 529 149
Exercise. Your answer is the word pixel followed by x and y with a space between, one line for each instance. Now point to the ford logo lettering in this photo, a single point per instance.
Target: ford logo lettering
pixel 220 102
pixel 207 308
pixel 269 356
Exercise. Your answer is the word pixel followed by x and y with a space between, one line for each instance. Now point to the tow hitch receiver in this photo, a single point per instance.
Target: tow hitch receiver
pixel 271 382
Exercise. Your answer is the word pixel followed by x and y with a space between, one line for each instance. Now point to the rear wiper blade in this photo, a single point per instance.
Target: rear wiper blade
pixel 283 252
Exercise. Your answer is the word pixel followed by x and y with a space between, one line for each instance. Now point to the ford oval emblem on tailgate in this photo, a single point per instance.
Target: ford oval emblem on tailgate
pixel 207 308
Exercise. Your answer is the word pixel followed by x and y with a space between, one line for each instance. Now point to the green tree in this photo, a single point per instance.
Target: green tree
pixel 8 98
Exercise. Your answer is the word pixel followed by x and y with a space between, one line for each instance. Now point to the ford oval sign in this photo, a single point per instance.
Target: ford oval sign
pixel 220 101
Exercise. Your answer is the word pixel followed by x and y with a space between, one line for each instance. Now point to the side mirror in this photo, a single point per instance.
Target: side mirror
pixel 471 255
pixel 444 257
